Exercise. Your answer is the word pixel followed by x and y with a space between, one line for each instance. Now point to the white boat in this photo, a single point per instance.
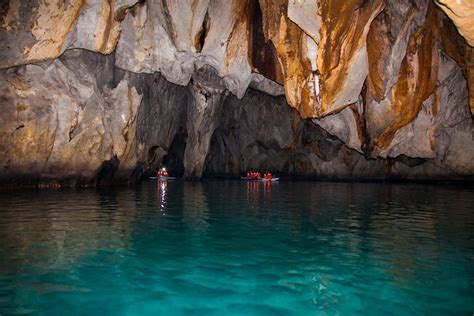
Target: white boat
pixel 162 178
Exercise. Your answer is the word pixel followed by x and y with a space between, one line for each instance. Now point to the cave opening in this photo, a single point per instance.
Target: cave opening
pixel 174 160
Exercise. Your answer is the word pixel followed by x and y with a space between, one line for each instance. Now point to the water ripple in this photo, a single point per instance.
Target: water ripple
pixel 223 247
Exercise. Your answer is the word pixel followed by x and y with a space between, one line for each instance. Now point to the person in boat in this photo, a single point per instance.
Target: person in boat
pixel 162 172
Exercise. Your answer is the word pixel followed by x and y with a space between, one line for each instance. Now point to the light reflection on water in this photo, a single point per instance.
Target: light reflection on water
pixel 223 247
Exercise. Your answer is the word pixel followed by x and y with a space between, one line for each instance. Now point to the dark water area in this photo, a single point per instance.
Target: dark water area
pixel 237 248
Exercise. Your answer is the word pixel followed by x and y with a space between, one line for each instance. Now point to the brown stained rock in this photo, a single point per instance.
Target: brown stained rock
pixel 107 29
pixel 42 30
pixel 53 22
pixel 290 41
pixel 387 43
pixel 325 72
pixel 461 52
pixel 56 123
pixel 262 53
pixel 236 59
pixel 461 12
pixel 322 62
pixel 378 48
pixel 296 89
pixel 404 91
pixel 342 59
pixel 372 73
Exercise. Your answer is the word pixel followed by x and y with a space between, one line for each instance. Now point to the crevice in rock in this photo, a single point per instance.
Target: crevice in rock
pixel 364 132
pixel 122 12
pixel 73 127
pixel 262 53
pixel 202 34
pixel 410 161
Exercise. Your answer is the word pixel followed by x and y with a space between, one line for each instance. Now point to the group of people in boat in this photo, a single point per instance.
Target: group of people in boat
pixel 162 172
pixel 258 175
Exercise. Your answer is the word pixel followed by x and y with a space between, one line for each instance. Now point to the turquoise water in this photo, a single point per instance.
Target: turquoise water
pixel 236 248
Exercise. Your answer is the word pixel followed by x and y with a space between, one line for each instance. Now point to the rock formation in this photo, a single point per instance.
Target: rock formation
pixel 101 91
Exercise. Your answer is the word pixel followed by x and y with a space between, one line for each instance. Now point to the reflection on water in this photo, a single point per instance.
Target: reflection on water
pixel 255 188
pixel 223 247
pixel 195 209
pixel 162 187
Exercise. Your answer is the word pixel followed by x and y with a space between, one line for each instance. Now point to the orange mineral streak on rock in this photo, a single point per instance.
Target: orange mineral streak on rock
pixel 318 92
pixel 380 52
pixel 461 13
pixel 457 47
pixel 287 37
pixel 262 52
pixel 378 47
pixel 294 70
pixel 54 21
pixel 238 39
pixel 345 24
pixel 417 78
pixel 108 29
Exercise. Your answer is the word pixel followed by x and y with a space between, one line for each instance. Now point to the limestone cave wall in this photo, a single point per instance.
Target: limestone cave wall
pixel 94 92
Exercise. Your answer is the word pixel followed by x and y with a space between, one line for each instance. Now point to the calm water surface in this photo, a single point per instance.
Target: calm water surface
pixel 235 248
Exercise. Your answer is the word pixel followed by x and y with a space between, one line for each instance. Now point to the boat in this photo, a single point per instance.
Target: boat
pixel 162 175
pixel 162 178
pixel 259 179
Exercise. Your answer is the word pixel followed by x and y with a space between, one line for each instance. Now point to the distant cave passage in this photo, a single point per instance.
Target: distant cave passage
pixel 174 160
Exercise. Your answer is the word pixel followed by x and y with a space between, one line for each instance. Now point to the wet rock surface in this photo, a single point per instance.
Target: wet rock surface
pixel 260 132
pixel 60 120
pixel 365 89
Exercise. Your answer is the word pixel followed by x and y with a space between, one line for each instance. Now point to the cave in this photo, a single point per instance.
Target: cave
pixel 174 159
pixel 332 101
pixel 390 101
